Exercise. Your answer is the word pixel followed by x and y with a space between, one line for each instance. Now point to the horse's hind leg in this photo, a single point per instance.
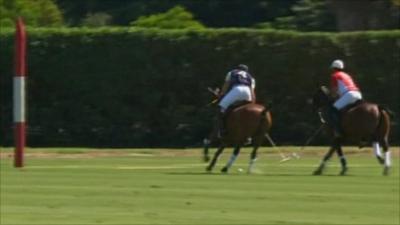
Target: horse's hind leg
pixel 327 156
pixel 378 152
pixel 215 158
pixel 257 141
pixel 232 159
pixel 253 159
pixel 342 160
pixel 387 163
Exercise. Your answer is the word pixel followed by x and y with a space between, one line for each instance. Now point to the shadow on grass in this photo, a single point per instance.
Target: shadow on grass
pixel 245 174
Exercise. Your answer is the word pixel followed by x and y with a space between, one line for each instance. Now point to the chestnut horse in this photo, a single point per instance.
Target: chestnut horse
pixel 248 120
pixel 362 122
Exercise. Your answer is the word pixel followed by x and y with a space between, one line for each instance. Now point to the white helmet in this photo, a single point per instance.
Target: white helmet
pixel 337 64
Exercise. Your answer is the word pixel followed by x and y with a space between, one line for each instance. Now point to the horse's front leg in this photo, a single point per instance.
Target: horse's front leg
pixel 378 152
pixel 387 163
pixel 215 159
pixel 212 138
pixel 232 159
pixel 342 160
pixel 327 156
pixel 206 146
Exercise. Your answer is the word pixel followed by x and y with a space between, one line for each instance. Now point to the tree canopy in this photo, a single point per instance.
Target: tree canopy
pixel 301 15
pixel 35 13
pixel 176 18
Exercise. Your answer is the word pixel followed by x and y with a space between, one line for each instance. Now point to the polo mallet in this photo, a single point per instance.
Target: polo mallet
pixel 281 154
pixel 215 93
pixel 212 102
pixel 312 136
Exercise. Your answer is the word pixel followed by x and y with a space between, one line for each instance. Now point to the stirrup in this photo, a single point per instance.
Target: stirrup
pixel 337 134
pixel 221 133
pixel 248 141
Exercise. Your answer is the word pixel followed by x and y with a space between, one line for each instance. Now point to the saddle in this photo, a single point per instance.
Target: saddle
pixel 332 117
pixel 355 104
pixel 236 105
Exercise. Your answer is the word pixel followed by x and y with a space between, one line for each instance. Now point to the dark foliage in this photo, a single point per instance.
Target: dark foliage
pixel 134 88
pixel 212 13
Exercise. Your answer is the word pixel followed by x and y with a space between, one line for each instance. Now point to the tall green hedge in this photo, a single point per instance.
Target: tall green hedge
pixel 126 87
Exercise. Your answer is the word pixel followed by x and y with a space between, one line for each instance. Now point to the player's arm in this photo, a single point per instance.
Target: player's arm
pixel 226 84
pixel 253 90
pixel 334 87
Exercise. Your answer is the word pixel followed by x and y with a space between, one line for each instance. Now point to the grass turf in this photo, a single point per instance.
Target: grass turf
pixel 154 186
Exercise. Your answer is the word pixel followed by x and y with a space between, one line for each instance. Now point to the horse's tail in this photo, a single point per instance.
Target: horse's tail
pixel 264 124
pixel 266 118
pixel 387 110
pixel 383 127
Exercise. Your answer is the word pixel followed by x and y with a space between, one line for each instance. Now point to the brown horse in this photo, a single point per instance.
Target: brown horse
pixel 361 123
pixel 245 121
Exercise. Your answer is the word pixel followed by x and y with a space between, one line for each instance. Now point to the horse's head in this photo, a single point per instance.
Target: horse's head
pixel 321 98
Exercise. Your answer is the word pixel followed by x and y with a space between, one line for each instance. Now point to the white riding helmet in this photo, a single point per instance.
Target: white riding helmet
pixel 337 64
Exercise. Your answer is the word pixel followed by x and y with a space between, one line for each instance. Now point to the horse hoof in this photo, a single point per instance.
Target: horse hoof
pixel 343 172
pixel 209 168
pixel 386 171
pixel 224 170
pixel 206 158
pixel 317 172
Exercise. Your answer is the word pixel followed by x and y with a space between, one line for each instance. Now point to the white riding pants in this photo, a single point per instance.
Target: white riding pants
pixel 347 99
pixel 237 93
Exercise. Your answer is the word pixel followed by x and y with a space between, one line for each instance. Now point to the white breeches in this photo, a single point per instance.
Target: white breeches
pixel 237 93
pixel 347 99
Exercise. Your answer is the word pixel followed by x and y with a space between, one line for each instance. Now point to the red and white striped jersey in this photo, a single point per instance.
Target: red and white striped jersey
pixel 342 83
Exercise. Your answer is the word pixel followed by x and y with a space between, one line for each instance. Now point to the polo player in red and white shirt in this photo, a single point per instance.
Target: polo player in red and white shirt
pixel 343 86
pixel 345 90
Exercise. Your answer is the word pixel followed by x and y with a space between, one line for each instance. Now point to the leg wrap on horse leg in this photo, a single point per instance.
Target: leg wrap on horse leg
pixel 343 161
pixel 253 158
pixel 233 157
pixel 378 152
pixel 251 165
pixel 388 162
pixel 231 160
pixel 377 149
pixel 341 156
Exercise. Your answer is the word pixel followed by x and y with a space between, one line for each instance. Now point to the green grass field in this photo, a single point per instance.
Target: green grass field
pixel 155 186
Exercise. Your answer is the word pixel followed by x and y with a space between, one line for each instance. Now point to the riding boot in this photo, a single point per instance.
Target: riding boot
pixel 334 121
pixel 221 124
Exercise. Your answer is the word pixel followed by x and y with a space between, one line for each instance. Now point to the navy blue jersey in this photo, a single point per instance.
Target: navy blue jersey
pixel 240 77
